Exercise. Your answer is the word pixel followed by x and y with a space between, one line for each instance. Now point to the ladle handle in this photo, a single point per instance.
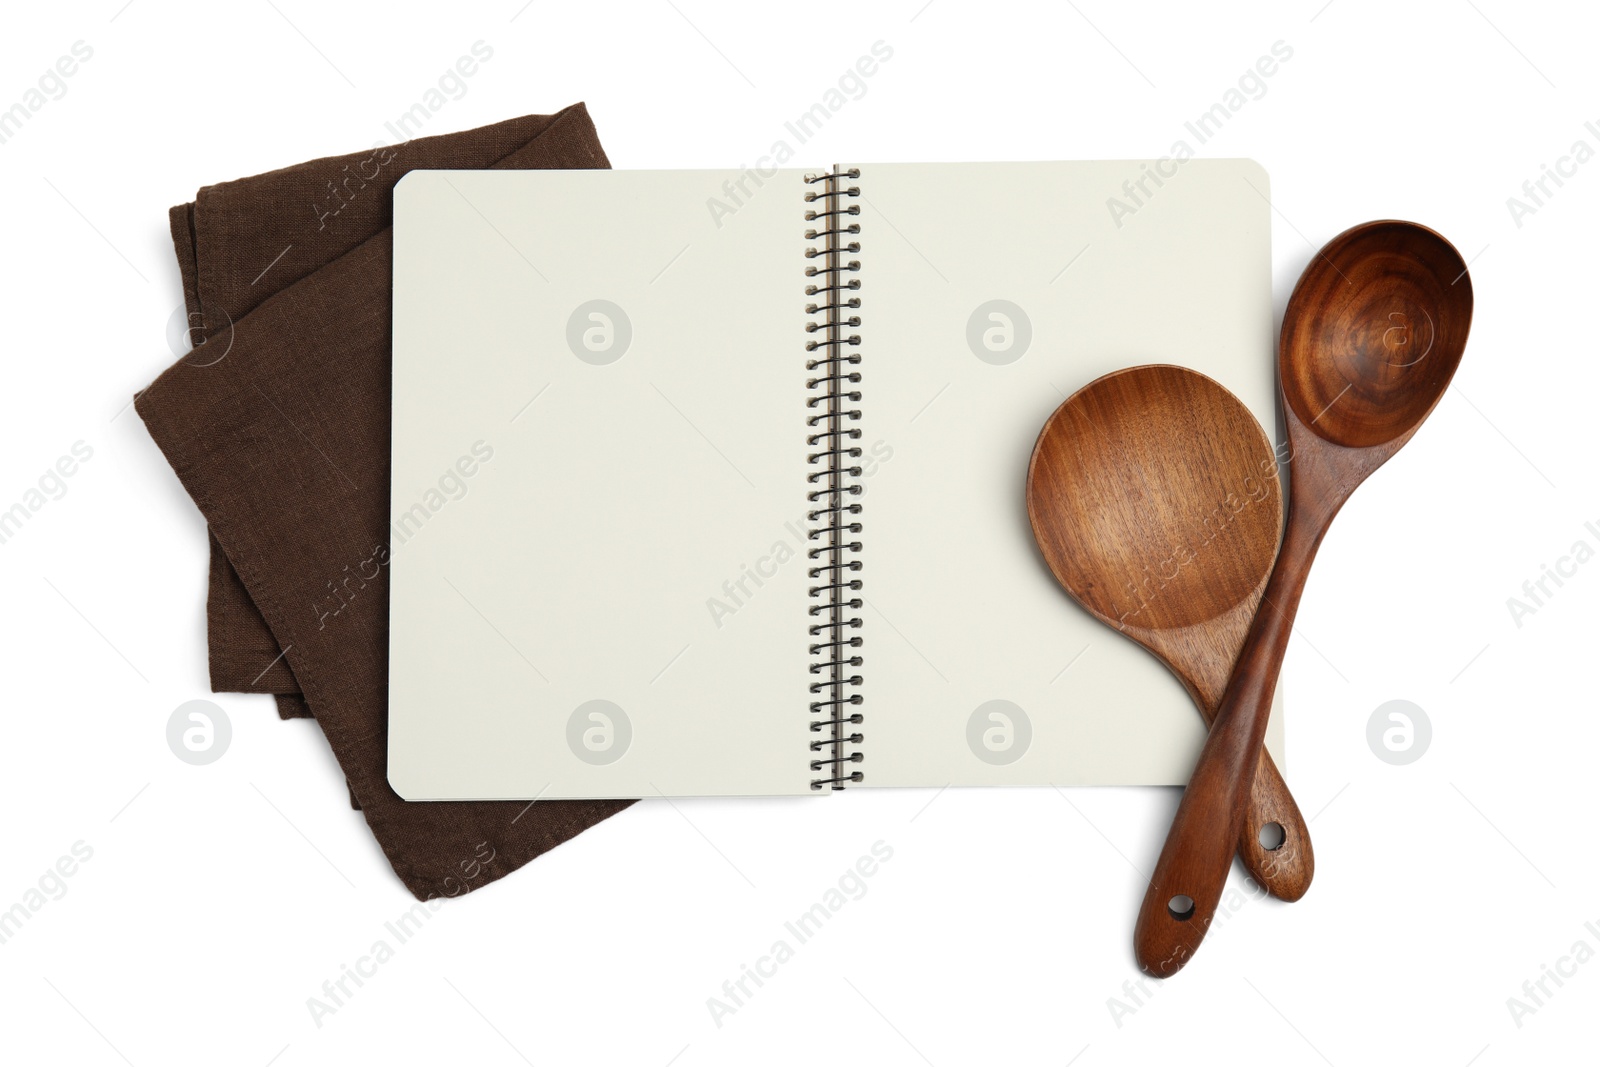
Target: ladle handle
pixel 1199 850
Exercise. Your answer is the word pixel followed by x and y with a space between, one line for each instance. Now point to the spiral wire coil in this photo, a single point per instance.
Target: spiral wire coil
pixel 834 360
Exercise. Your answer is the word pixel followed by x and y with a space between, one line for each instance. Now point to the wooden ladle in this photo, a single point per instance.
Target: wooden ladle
pixel 1372 335
pixel 1153 494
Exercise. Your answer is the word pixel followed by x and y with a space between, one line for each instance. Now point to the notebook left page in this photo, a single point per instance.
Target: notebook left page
pixel 597 551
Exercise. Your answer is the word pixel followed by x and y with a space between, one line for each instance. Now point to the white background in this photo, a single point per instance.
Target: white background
pixel 219 898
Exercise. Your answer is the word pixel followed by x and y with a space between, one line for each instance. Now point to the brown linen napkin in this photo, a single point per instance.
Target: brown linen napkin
pixel 278 427
pixel 243 241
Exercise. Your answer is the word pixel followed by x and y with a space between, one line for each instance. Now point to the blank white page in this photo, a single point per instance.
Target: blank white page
pixel 551 627
pixel 960 610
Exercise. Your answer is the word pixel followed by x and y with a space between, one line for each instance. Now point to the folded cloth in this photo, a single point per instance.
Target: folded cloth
pixel 243 241
pixel 277 424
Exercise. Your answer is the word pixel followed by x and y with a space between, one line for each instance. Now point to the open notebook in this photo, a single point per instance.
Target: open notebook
pixel 711 482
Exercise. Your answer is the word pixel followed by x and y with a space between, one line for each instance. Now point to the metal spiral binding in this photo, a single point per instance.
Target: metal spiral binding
pixel 834 520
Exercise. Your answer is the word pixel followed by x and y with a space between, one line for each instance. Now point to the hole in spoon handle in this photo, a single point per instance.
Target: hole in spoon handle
pixel 1275 844
pixel 1187 884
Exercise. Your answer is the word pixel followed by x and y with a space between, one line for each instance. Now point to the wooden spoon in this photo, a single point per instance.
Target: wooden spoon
pixel 1371 337
pixel 1154 497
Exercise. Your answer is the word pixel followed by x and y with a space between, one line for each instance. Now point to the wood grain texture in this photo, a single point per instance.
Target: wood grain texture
pixel 1154 498
pixel 1372 335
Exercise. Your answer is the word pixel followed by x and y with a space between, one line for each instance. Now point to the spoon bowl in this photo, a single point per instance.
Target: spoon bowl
pixel 1373 333
pixel 1156 465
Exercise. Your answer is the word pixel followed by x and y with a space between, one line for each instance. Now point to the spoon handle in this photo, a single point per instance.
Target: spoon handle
pixel 1283 868
pixel 1200 845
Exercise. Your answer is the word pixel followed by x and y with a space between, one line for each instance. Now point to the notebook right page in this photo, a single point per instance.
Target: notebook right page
pixel 991 292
